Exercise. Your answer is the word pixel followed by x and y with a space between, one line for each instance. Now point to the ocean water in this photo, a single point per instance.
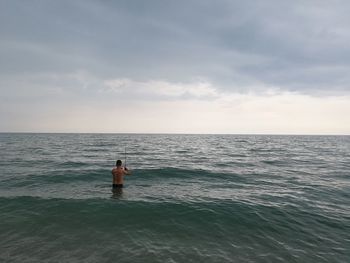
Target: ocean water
pixel 191 198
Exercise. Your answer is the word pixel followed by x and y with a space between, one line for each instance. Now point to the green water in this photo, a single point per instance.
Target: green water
pixel 191 198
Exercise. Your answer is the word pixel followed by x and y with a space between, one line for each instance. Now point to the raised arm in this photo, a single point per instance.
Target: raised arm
pixel 127 171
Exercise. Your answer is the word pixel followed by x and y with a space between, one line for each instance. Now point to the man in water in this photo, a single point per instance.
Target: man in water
pixel 118 173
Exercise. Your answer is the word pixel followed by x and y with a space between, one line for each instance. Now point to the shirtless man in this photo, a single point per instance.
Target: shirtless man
pixel 118 173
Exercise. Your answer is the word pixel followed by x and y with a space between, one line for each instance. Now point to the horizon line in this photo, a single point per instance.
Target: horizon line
pixel 176 133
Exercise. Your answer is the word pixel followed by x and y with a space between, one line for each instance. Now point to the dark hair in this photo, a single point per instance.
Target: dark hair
pixel 118 163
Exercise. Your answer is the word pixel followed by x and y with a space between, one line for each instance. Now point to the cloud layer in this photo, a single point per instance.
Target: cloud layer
pixel 262 64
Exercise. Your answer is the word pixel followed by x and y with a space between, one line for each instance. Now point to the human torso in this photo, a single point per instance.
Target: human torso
pixel 118 175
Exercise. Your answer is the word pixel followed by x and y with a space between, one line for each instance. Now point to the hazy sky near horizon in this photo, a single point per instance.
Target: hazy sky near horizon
pixel 166 66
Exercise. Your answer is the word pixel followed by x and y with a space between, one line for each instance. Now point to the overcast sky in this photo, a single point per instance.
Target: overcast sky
pixel 164 66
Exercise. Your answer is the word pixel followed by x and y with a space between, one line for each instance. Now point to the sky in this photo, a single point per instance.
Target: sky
pixel 184 66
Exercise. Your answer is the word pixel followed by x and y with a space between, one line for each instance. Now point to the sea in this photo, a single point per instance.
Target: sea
pixel 190 198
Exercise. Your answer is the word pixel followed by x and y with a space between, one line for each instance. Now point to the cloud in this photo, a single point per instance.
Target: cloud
pixel 161 88
pixel 285 44
pixel 127 105
pixel 220 65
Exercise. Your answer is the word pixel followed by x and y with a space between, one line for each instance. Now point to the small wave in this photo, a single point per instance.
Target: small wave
pixel 231 228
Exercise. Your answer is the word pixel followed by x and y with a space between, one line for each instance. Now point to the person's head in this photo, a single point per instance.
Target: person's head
pixel 118 163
